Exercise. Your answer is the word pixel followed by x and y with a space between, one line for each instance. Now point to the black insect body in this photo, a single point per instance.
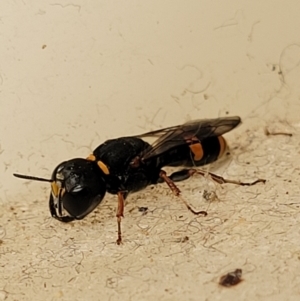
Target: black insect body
pixel 129 164
pixel 231 279
pixel 114 158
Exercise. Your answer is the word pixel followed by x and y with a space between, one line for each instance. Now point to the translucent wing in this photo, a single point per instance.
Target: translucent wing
pixel 171 137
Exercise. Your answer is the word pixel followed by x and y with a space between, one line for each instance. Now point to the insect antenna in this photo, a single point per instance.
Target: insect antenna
pixel 31 178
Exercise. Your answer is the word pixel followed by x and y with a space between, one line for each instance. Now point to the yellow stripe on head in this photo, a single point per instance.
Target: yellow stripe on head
pixel 54 188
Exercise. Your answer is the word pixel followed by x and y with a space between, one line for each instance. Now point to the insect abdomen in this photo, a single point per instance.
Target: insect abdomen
pixel 196 153
pixel 207 151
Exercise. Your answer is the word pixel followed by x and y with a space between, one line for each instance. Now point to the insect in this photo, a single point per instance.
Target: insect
pixel 232 278
pixel 129 164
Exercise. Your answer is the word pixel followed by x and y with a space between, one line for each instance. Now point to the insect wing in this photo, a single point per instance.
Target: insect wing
pixel 178 135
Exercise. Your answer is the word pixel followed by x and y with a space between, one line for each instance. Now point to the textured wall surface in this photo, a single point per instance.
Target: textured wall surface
pixel 75 73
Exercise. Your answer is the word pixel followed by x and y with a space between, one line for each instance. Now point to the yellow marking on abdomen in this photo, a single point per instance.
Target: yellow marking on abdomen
pixel 197 150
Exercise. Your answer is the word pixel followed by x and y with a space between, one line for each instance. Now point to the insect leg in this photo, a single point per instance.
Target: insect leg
pixel 170 183
pixel 186 173
pixel 177 192
pixel 120 214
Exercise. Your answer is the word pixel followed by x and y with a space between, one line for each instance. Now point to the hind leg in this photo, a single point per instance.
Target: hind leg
pixel 187 173
pixel 177 192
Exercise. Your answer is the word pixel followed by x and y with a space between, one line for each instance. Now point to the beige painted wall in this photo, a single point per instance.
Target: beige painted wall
pixel 74 73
